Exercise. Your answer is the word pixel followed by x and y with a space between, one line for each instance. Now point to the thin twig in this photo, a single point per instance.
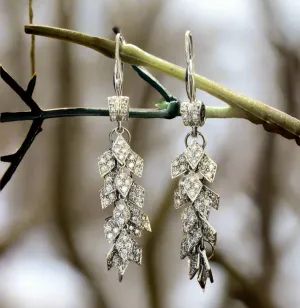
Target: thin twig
pixel 32 48
pixel 136 56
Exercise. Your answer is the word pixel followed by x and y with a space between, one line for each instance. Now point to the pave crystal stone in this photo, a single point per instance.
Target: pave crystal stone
pixel 192 185
pixel 179 166
pixel 208 168
pixel 106 163
pixel 108 199
pixel 189 242
pixel 136 254
pixel 139 218
pixel 190 113
pixel 121 213
pixel 120 264
pixel 109 258
pixel 193 262
pixel 118 107
pixel 109 185
pixel 133 229
pixel 137 195
pixel 180 198
pixel 209 232
pixel 111 230
pixel 123 183
pixel 193 154
pixel 124 245
pixel 206 199
pixel 134 163
pixel 189 219
pixel 120 149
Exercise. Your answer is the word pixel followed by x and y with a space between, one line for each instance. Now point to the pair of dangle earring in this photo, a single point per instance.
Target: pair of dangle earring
pixel 195 168
pixel 117 166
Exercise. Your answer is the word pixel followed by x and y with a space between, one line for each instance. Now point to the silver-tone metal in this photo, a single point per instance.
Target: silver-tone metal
pixel 118 166
pixel 195 168
pixel 189 75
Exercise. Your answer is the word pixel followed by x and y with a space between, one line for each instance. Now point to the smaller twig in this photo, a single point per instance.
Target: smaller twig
pixel 36 126
pixel 32 48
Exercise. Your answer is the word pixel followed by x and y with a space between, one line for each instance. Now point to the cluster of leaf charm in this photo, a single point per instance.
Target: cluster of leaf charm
pixel 196 168
pixel 117 167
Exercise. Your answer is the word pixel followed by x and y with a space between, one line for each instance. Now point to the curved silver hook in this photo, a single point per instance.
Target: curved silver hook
pixel 189 73
pixel 119 66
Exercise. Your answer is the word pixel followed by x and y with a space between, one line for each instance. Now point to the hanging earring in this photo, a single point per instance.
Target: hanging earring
pixel 196 169
pixel 117 167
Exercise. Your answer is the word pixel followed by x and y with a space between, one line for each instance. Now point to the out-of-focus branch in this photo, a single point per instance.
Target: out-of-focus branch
pixel 136 56
pixel 157 224
pixel 61 203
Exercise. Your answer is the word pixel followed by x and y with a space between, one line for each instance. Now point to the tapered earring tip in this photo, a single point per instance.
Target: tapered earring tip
pixel 116 30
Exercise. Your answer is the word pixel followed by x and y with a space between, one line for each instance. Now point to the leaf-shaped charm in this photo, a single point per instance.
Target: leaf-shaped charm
pixel 106 162
pixel 193 154
pixel 120 149
pixel 135 163
pixel 123 183
pixel 208 168
pixel 179 166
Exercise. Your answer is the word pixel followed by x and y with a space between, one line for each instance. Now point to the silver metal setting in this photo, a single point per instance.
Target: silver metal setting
pixel 196 168
pixel 117 166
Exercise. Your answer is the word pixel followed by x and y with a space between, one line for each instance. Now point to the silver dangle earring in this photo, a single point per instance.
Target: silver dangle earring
pixel 117 166
pixel 196 169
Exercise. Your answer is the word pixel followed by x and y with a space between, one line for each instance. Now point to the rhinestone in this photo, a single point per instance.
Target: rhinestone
pixel 111 230
pixel 134 229
pixel 208 168
pixel 109 258
pixel 139 218
pixel 120 149
pixel 179 166
pixel 124 245
pixel 108 199
pixel 135 163
pixel 120 264
pixel 109 185
pixel 118 107
pixel 123 183
pixel 121 213
pixel 136 254
pixel 192 185
pixel 193 262
pixel 189 242
pixel 193 154
pixel 137 195
pixel 180 198
pixel 188 218
pixel 209 232
pixel 106 163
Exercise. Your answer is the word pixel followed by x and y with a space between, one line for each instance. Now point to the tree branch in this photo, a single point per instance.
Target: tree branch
pixel 136 56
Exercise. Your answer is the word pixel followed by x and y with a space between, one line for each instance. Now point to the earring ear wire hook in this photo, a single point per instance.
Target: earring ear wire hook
pixel 119 66
pixel 189 73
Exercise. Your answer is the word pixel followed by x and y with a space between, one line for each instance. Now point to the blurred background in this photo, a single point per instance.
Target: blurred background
pixel 52 246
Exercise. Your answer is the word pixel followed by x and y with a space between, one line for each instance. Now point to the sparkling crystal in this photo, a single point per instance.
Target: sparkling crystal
pixel 208 168
pixel 193 154
pixel 136 254
pixel 184 111
pixel 120 149
pixel 123 183
pixel 209 232
pixel 124 245
pixel 206 199
pixel 193 262
pixel 108 199
pixel 189 242
pixel 190 113
pixel 134 163
pixel 121 213
pixel 137 195
pixel 139 218
pixel 133 229
pixel 180 198
pixel 118 107
pixel 179 166
pixel 109 258
pixel 188 218
pixel 111 230
pixel 106 162
pixel 109 185
pixel 192 185
pixel 120 264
